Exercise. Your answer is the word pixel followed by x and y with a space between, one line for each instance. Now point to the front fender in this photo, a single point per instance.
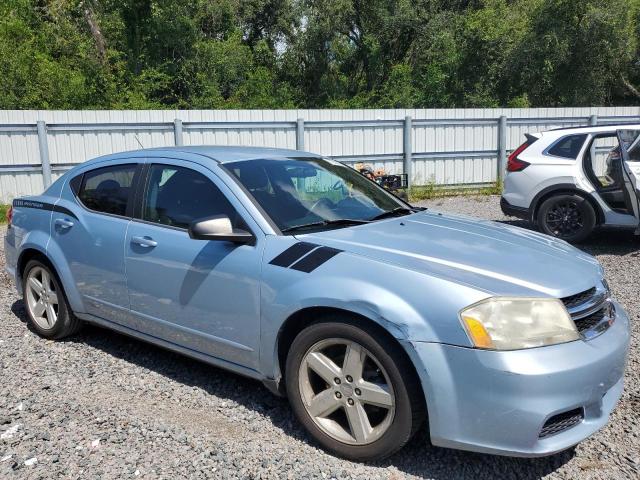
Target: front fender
pixel 359 296
pixel 407 304
pixel 336 293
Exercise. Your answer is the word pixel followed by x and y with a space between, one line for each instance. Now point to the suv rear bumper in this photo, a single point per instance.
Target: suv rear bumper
pixel 513 211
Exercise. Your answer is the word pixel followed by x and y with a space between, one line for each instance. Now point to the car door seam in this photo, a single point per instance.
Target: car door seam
pixel 53 209
pixel 124 260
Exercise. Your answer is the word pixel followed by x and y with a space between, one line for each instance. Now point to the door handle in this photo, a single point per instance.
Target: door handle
pixel 63 223
pixel 144 241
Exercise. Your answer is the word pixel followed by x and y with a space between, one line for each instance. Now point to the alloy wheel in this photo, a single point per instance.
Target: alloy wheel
pixel 42 298
pixel 346 391
pixel 564 219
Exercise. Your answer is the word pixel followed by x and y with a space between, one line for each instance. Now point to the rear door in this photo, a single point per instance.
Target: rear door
pixel 630 150
pixel 89 226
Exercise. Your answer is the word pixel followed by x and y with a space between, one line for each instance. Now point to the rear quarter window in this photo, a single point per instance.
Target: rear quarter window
pixel 567 147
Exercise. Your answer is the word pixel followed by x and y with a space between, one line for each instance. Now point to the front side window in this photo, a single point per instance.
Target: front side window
pixel 176 196
pixel 568 147
pixel 108 189
pixel 296 192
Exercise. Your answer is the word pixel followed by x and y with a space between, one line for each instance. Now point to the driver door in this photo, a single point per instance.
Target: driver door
pixel 630 150
pixel 200 294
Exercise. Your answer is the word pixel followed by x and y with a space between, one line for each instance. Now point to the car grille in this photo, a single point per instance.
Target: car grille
pixel 561 422
pixel 587 323
pixel 591 311
pixel 579 298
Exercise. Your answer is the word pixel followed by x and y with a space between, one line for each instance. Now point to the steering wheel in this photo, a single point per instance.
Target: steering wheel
pixel 321 202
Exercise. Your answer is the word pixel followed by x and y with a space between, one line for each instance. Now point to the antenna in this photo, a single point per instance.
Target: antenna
pixel 138 140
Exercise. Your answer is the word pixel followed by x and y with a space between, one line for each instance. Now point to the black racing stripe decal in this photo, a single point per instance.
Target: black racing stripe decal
pixel 293 253
pixel 64 210
pixel 43 206
pixel 315 259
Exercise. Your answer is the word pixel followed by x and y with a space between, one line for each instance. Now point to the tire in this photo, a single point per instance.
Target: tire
pixel 391 426
pixel 567 216
pixel 51 298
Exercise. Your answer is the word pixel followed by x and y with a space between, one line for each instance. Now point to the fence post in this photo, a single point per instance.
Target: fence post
pixel 177 132
pixel 406 148
pixel 43 145
pixel 593 120
pixel 502 146
pixel 300 134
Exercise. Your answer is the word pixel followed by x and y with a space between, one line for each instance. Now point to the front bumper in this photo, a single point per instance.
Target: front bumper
pixel 513 211
pixel 497 402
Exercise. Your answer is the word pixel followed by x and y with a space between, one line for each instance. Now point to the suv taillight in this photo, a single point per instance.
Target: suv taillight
pixel 514 164
pixel 9 215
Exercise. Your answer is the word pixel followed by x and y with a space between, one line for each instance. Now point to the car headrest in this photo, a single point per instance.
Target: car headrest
pixel 108 186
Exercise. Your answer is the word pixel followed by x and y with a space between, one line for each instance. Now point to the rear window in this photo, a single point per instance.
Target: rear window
pixel 107 190
pixel 567 147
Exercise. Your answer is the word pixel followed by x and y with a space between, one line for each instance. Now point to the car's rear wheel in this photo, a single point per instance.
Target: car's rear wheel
pixel 47 308
pixel 345 386
pixel 569 217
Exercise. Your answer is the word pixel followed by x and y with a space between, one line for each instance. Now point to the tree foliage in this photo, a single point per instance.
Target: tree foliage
pixel 79 54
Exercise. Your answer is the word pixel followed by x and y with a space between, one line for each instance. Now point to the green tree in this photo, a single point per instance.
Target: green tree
pixel 74 54
pixel 576 53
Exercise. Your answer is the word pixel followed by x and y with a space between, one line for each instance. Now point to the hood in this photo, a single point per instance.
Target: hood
pixel 498 258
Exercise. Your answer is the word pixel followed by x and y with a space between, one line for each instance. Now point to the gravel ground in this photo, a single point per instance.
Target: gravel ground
pixel 102 405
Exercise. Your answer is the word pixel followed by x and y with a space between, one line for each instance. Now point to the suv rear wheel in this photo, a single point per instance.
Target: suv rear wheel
pixel 567 216
pixel 346 387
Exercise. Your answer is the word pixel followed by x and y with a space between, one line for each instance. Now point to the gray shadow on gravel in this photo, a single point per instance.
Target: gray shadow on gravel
pixel 18 310
pixel 612 242
pixel 418 458
pixel 422 459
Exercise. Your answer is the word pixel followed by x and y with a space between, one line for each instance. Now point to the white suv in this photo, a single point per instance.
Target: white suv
pixel 568 181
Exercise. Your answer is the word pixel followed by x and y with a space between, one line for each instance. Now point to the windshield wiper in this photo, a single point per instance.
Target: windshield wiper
pixel 324 223
pixel 393 213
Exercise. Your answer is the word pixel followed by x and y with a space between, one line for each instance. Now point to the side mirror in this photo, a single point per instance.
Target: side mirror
pixel 218 228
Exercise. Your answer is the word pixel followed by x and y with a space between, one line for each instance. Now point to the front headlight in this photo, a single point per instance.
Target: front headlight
pixel 515 323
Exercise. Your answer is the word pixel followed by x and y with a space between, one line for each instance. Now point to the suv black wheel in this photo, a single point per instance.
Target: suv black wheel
pixel 568 216
pixel 346 387
pixel 45 302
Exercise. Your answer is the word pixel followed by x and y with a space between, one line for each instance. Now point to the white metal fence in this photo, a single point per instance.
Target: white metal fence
pixel 446 147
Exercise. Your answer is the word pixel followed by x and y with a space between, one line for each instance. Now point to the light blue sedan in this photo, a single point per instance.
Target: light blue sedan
pixel 369 314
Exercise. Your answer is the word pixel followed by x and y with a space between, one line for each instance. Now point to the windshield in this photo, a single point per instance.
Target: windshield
pixel 312 192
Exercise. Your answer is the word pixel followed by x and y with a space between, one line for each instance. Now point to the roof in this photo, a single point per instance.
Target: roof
pixel 605 127
pixel 217 153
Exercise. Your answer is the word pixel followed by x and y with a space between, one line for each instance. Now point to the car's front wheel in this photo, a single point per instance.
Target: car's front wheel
pixel 355 392
pixel 45 302
pixel 569 217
